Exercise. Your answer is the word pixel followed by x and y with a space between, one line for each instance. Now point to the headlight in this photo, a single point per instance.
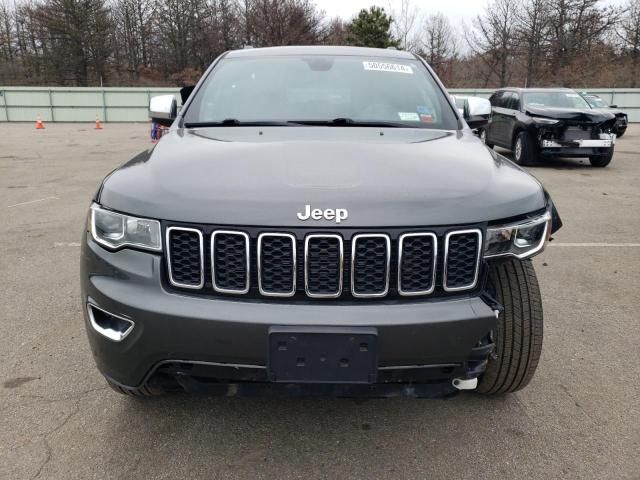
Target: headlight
pixel 544 121
pixel 519 240
pixel 115 230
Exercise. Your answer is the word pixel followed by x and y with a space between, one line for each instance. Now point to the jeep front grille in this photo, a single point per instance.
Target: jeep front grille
pixel 306 264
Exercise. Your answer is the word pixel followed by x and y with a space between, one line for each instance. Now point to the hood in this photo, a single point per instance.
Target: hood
pixel 615 111
pixel 265 176
pixel 581 115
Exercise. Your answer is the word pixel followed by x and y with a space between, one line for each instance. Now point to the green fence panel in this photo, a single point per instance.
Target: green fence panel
pixel 129 104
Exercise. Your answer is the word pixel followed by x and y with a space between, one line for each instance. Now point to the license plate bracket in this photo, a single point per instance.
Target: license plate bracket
pixel 323 354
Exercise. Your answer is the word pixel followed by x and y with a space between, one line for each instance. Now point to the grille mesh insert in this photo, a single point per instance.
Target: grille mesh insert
pixel 277 264
pixel 323 266
pixel 370 266
pixel 416 265
pixel 461 260
pixel 230 266
pixel 186 259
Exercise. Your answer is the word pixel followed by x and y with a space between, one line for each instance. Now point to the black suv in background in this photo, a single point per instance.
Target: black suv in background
pixel 537 123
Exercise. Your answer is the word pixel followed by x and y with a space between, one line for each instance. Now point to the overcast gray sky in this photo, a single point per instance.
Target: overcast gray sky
pixel 454 9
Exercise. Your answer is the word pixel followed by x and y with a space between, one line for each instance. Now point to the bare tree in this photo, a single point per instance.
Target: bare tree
pixel 493 39
pixel 404 23
pixel 133 22
pixel 532 36
pixel 575 27
pixel 337 32
pixel 285 22
pixel 629 33
pixel 438 45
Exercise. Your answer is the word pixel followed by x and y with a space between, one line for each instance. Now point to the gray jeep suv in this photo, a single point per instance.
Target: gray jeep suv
pixel 317 220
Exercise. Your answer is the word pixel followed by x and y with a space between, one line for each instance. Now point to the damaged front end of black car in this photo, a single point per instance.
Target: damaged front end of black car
pixel 539 123
pixel 574 134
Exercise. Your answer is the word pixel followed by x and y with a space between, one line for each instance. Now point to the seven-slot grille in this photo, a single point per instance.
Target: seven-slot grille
pixel 323 265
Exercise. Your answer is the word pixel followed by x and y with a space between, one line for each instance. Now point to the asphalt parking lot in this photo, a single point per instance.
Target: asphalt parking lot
pixel 579 418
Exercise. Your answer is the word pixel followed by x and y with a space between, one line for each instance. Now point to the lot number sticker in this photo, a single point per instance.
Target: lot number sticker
pixel 388 67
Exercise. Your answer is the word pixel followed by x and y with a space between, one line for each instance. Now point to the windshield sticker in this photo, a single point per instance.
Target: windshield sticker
pixel 425 114
pixel 388 67
pixel 409 116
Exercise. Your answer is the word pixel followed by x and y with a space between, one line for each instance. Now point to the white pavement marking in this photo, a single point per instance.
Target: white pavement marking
pixel 63 244
pixel 554 244
pixel 32 201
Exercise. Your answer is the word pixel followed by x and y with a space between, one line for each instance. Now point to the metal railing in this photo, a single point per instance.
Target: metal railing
pixel 130 104
pixel 81 104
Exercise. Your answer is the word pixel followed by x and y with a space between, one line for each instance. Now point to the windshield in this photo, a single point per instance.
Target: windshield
pixel 596 102
pixel 317 88
pixel 554 100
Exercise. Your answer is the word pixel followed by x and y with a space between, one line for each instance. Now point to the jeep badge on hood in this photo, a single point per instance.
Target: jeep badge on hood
pixel 337 214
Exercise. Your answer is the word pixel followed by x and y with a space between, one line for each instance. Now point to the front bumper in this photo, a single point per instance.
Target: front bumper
pixel 579 147
pixel 418 341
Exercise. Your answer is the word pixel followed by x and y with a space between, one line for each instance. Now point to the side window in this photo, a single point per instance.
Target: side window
pixel 497 99
pixel 514 101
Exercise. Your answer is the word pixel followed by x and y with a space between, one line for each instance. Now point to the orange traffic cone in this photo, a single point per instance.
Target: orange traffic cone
pixel 98 126
pixel 39 124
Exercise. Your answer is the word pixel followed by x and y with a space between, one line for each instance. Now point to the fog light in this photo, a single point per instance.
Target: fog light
pixel 108 325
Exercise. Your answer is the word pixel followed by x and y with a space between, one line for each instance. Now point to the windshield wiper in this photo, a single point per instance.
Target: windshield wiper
pixel 336 122
pixel 234 122
pixel 349 122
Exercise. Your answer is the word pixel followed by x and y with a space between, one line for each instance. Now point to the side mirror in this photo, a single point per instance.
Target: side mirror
pixel 163 109
pixel 476 112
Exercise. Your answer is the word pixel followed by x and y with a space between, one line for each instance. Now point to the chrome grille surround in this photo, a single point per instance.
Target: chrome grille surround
pixel 434 263
pixel 201 241
pixel 447 240
pixel 354 242
pixel 264 292
pixel 256 264
pixel 247 260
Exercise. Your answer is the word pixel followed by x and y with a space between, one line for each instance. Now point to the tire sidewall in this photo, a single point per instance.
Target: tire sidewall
pixel 518 149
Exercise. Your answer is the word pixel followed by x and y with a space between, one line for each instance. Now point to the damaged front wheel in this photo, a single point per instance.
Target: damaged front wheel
pixel 518 335
pixel 601 160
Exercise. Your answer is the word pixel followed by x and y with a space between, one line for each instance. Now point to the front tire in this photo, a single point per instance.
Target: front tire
pixel 601 161
pixel 483 137
pixel 519 331
pixel 524 149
